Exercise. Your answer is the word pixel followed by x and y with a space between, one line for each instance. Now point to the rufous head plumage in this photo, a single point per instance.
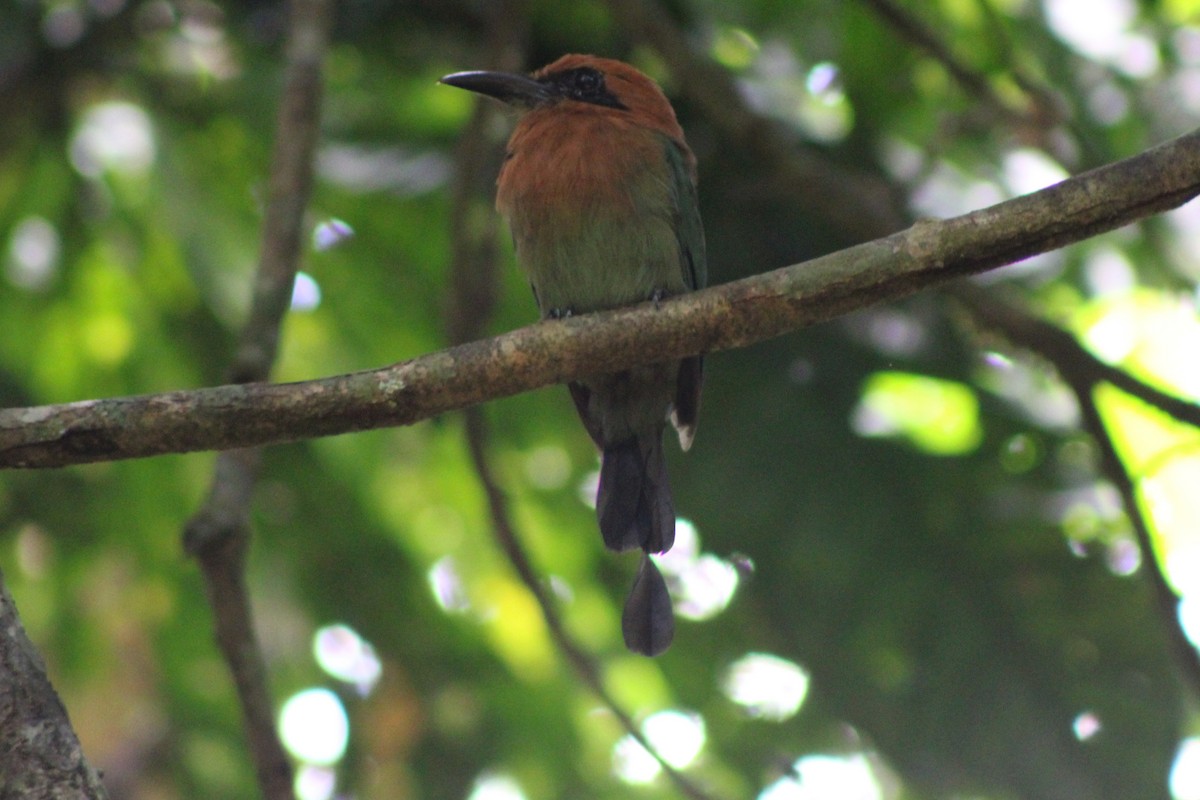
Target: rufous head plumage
pixel 580 84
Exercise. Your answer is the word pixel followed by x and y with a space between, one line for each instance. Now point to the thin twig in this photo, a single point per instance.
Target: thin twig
pixel 583 664
pixel 219 534
pixel 473 221
pixel 736 314
pixel 1061 349
pixel 1083 373
pixel 1166 602
pixel 1040 112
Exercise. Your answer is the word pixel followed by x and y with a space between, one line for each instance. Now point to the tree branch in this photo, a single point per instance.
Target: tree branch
pixel 219 534
pixel 1061 349
pixel 1039 113
pixel 581 662
pixel 733 315
pixel 1083 373
pixel 1166 602
pixel 40 755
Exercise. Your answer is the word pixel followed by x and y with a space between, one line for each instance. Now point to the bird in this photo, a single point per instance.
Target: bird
pixel 598 187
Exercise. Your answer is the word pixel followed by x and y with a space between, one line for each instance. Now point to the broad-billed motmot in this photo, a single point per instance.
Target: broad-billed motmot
pixel 599 190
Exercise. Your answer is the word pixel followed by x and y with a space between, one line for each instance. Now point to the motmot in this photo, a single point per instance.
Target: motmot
pixel 598 188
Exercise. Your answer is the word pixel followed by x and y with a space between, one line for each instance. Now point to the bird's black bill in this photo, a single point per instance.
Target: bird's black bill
pixel 508 87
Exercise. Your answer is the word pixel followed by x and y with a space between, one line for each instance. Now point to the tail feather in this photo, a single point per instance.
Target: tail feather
pixel 648 623
pixel 634 503
pixel 685 409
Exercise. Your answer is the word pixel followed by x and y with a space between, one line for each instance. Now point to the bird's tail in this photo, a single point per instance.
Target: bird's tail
pixel 634 500
pixel 648 623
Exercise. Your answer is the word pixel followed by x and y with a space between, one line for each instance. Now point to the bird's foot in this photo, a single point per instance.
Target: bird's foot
pixel 560 313
pixel 657 296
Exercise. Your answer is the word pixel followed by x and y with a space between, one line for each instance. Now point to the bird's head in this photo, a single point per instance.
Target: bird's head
pixel 579 83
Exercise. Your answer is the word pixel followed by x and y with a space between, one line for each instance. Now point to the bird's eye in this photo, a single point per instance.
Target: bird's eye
pixel 588 83
pixel 585 85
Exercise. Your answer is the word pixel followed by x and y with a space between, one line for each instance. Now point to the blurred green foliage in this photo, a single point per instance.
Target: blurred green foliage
pixel 950 584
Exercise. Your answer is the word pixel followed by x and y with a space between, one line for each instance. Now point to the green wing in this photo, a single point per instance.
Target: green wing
pixel 688 228
pixel 690 233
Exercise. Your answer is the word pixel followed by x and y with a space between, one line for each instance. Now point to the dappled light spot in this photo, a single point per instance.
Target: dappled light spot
pixel 1027 171
pixel 895 333
pixel 1086 726
pixel 947 191
pixel 1124 557
pixel 766 686
pixel 826 114
pixel 1086 513
pixel 705 588
pixel 1185 772
pixel 1101 30
pixel 34 550
pixel 1108 103
pixel 938 416
pixel 1161 333
pixel 744 565
pixel 735 48
pixel 1114 333
pixel 64 24
pixel 1169 493
pixel 685 549
pixel 331 232
pixel 447 586
pixel 1020 453
pixel 306 293
pixel 812 100
pixel 393 169
pixel 901 159
pixel 516 627
pixel 34 249
pixel 1185 41
pixel 496 786
pixel 198 46
pixel 561 588
pixel 113 137
pixel 1039 395
pixel 824 79
pixel 185 40
pixel 345 655
pixel 997 360
pixel 548 467
pixel 314 783
pixel 1188 613
pixel 314 726
pixel 1109 272
pixel 1161 452
pixel 825 777
pixel 702 584
pixel 632 763
pixel 1183 222
pixel 107 338
pixel 677 736
pixel 588 487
